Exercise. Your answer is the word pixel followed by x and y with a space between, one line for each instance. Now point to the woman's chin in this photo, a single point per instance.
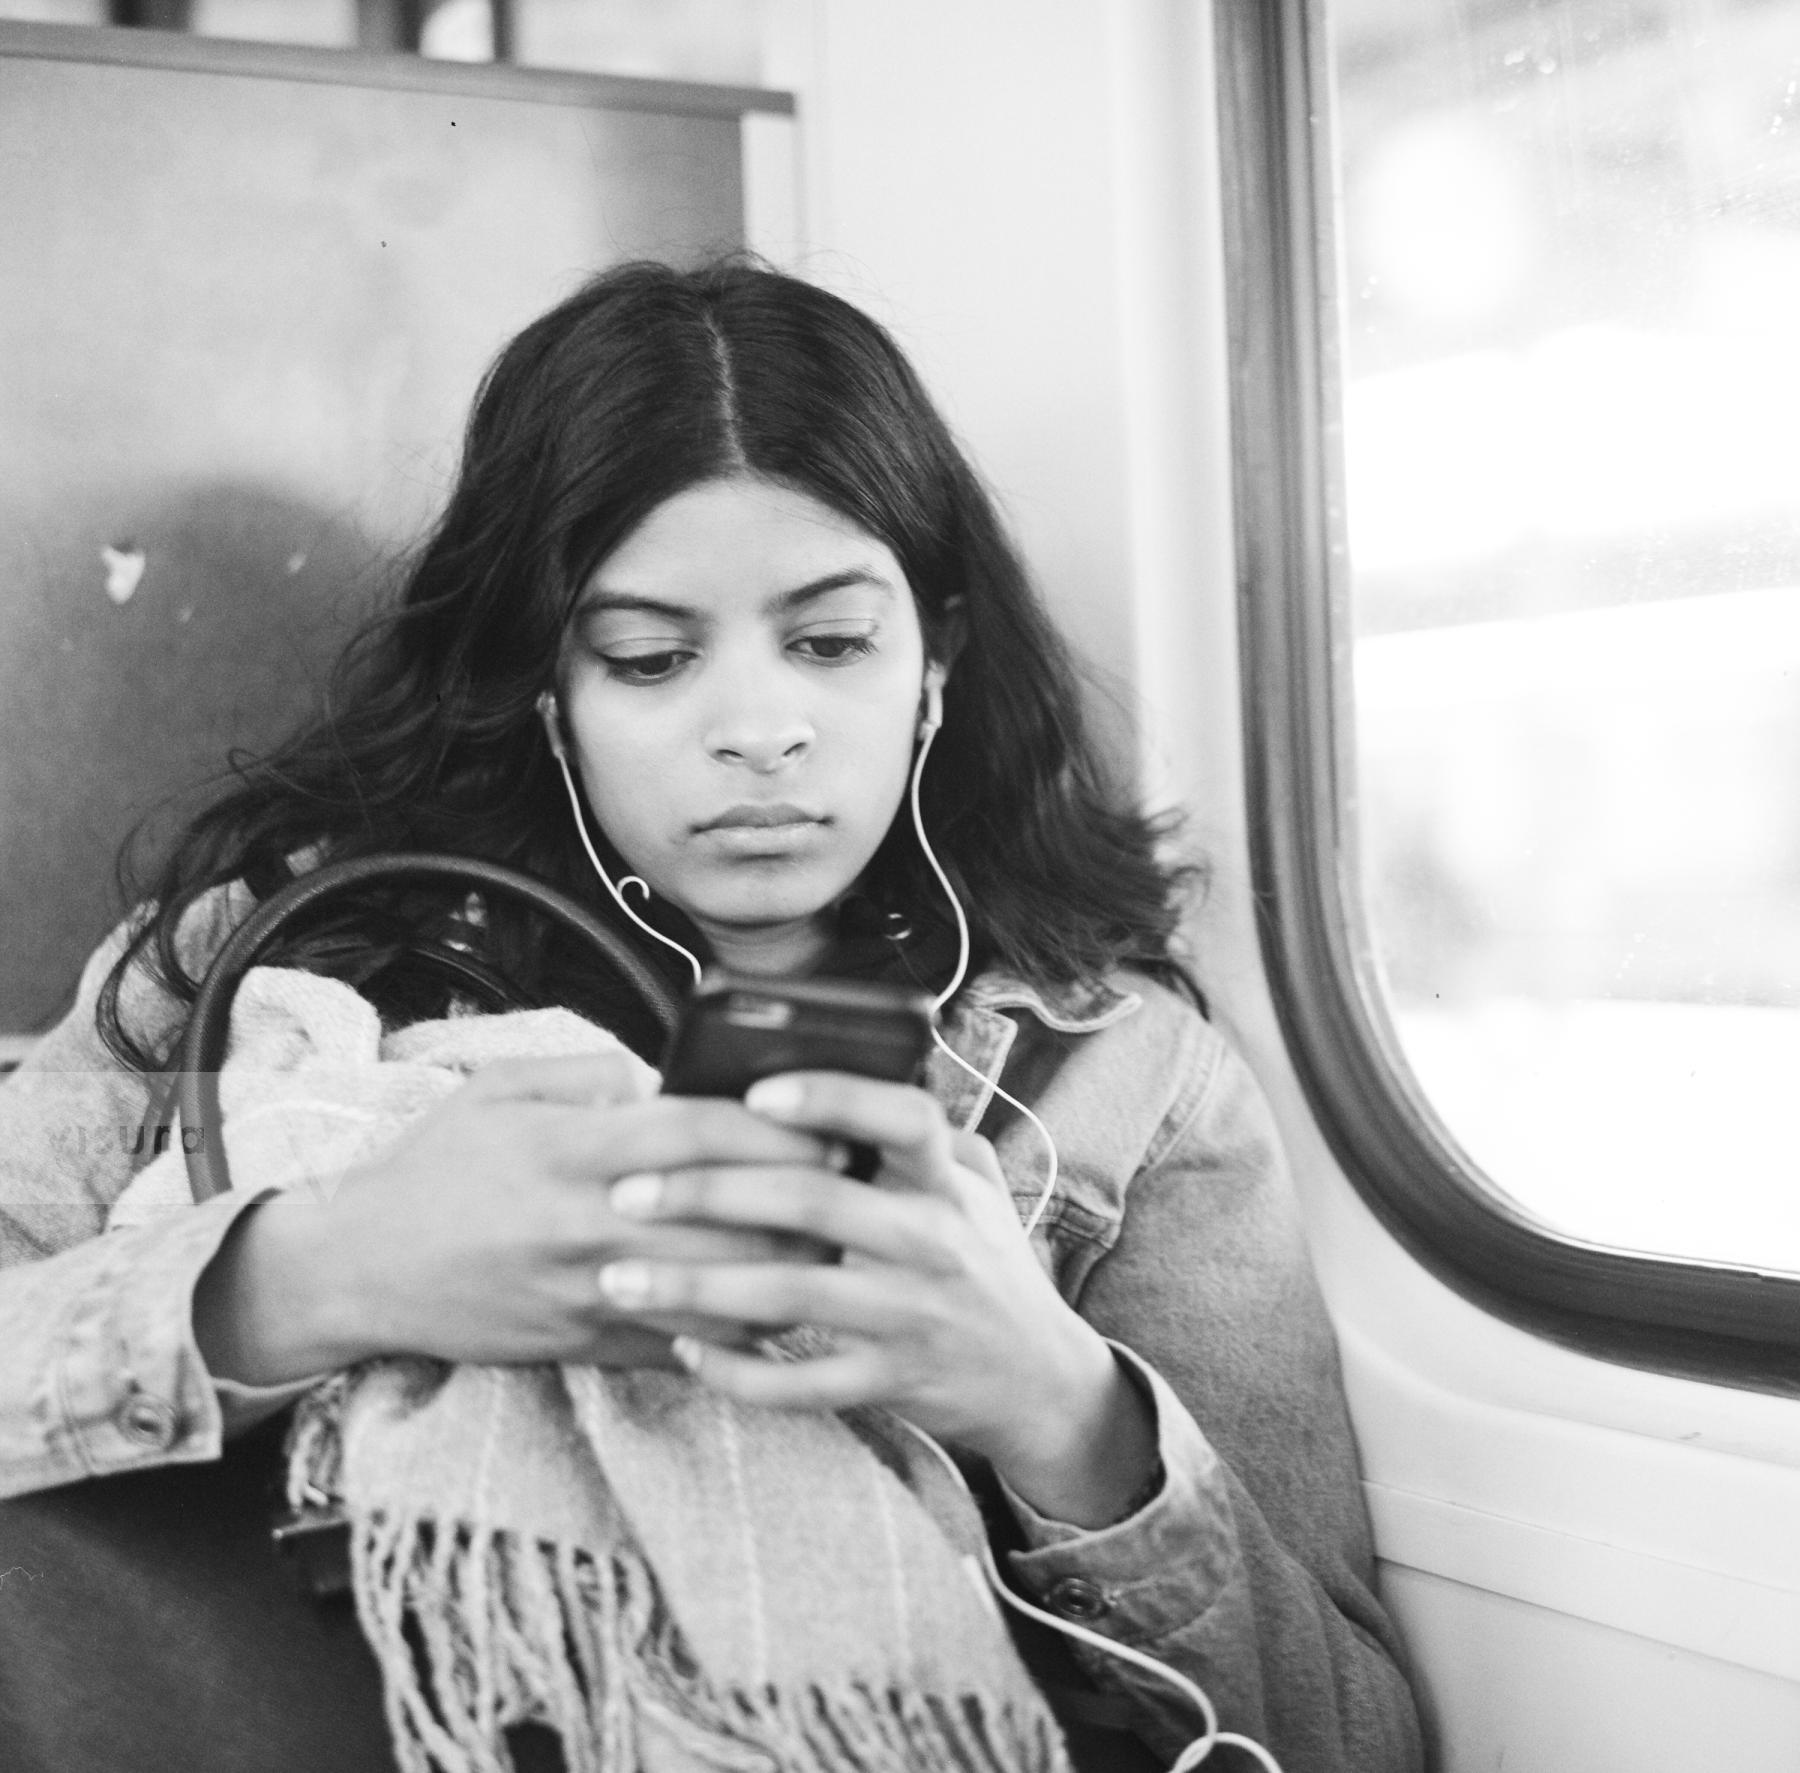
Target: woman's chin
pixel 750 921
pixel 761 895
pixel 792 927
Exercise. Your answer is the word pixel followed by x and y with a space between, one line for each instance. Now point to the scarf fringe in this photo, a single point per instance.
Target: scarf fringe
pixel 477 1631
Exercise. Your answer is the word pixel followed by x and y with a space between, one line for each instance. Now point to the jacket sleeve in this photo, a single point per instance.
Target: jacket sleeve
pixel 101 1372
pixel 1250 1570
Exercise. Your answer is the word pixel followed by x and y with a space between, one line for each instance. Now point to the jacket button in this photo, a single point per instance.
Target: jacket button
pixel 1076 1598
pixel 148 1421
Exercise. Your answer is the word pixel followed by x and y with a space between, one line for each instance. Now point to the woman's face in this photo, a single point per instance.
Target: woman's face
pixel 741 689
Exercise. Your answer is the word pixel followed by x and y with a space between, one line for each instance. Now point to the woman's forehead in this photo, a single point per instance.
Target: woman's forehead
pixel 743 542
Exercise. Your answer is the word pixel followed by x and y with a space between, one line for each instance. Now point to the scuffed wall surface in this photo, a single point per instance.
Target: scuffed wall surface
pixel 240 322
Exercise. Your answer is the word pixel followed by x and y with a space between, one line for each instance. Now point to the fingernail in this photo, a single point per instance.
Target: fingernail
pixel 779 1098
pixel 637 1197
pixel 686 1350
pixel 625 1283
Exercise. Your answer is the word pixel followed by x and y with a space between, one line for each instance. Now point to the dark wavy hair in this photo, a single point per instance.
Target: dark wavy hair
pixel 646 382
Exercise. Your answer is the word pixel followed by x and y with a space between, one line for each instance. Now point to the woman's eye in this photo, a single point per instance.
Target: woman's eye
pixel 645 667
pixel 836 649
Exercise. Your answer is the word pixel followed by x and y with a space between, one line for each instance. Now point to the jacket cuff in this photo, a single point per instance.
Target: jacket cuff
pixel 1159 1568
pixel 243 1406
pixel 125 1385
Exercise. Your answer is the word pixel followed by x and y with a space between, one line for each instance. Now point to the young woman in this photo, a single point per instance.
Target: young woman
pixel 712 545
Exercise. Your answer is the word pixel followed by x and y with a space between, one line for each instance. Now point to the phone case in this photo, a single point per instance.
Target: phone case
pixel 735 1030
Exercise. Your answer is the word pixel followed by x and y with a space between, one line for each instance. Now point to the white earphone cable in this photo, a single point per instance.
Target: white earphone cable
pixel 962 969
pixel 962 923
pixel 630 880
pixel 928 733
pixel 1203 1745
pixel 1209 1738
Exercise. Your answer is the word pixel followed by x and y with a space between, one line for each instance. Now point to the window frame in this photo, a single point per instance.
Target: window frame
pixel 1728 1323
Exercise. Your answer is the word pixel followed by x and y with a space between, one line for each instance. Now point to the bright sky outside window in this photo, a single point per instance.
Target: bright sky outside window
pixel 1571 329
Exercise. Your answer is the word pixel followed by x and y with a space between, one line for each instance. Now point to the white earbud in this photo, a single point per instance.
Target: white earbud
pixel 552 719
pixel 931 716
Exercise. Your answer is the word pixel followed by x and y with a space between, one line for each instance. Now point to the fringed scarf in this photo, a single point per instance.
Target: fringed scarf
pixel 668 1580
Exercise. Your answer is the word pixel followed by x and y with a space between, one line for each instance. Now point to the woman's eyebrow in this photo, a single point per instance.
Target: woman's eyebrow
pixel 600 601
pixel 855 575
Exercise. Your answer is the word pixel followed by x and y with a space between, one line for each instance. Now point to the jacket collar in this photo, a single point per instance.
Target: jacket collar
pixel 1081 1008
pixel 982 1034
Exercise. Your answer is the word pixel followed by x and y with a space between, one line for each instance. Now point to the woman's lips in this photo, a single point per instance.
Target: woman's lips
pixel 761 830
pixel 761 818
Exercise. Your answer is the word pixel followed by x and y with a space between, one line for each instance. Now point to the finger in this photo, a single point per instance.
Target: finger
pixel 676 1242
pixel 906 1123
pixel 976 1153
pixel 626 1343
pixel 677 1132
pixel 866 1301
pixel 720 1332
pixel 578 1080
pixel 833 1382
pixel 825 1210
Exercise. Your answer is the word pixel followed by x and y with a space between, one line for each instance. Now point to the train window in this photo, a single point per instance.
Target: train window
pixel 1571 241
pixel 1516 381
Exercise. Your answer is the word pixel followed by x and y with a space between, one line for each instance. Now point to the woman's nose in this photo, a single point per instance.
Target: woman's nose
pixel 761 733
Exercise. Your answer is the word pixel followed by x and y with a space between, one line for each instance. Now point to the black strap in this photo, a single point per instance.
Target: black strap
pixel 203 1043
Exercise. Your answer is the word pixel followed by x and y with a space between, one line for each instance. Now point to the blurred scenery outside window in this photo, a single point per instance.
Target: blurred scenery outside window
pixel 1570 320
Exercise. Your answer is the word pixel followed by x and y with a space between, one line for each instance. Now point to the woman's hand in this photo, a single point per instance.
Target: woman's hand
pixel 479 1234
pixel 940 1310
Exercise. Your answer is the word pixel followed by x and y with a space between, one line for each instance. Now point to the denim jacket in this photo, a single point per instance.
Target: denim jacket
pixel 1171 1230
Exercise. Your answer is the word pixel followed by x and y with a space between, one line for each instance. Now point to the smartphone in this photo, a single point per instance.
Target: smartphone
pixel 736 1029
